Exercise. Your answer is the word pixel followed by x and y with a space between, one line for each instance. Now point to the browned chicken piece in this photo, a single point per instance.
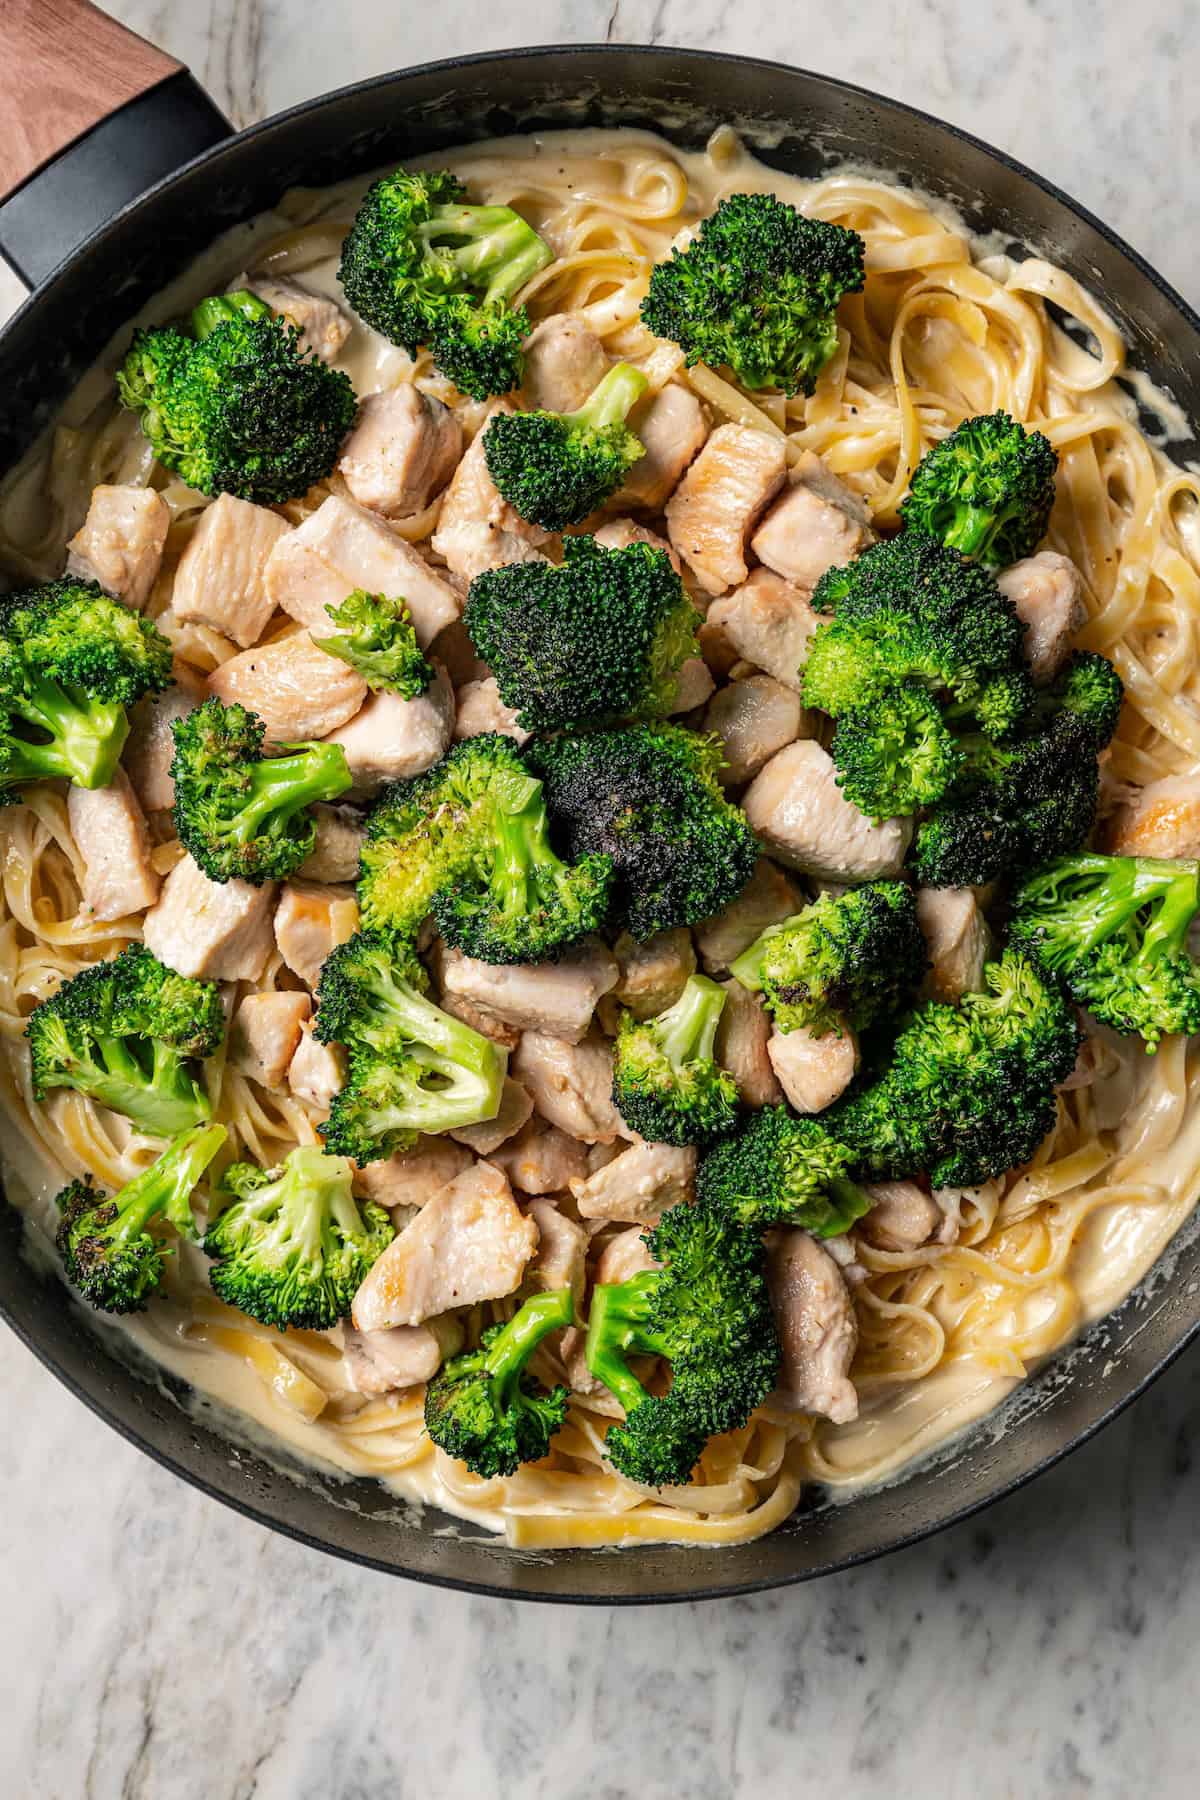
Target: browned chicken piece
pixel 743 1033
pixel 812 1070
pixel 109 828
pixel 220 581
pixel 903 1217
pixel 618 534
pixel 312 919
pixel 516 1108
pixel 560 1260
pixel 652 975
pixel 295 688
pixel 754 719
pixel 541 1159
pixel 600 1155
pixel 623 1257
pixel 381 1362
pixel 714 509
pixel 477 529
pixel 638 1186
pixel 120 543
pixel 571 1084
pixel 412 1177
pixel 693 686
pixel 818 1332
pixel 217 930
pixel 767 622
pixel 767 897
pixel 817 524
pixel 471 1242
pixel 671 428
pixel 798 810
pixel 341 547
pixel 265 1032
pixel 321 324
pixel 1163 820
pixel 1047 591
pixel 317 1071
pixel 564 361
pixel 391 739
pixel 558 997
pixel 401 452
pixel 459 1007
pixel 339 840
pixel 150 747
pixel 481 709
pixel 957 939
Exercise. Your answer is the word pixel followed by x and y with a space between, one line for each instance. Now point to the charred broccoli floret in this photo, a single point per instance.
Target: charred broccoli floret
pixel 666 1084
pixel 556 468
pixel 484 1409
pixel 987 490
pixel 376 637
pixel 781 1170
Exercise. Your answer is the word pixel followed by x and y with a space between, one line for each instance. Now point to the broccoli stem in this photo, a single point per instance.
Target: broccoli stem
pixel 512 1348
pixel 492 244
pixel 522 855
pixel 688 1029
pixel 971 529
pixel 617 1327
pixel 166 1186
pixel 160 1102
pixel 281 786
pixel 612 400
pixel 86 736
pixel 218 309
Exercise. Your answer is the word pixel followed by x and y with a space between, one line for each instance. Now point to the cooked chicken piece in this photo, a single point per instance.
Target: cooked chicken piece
pixel 295 688
pixel 220 581
pixel 401 452
pixel 109 828
pixel 452 647
pixel 600 1155
pixel 671 428
pixel 541 1159
pixel 767 897
pixel 390 739
pixel 571 1084
pixel 755 719
pixel 313 918
pixel 339 840
pixel 903 1217
pixel 623 1257
pixel 564 361
pixel 150 747
pixel 1163 820
pixel 693 685
pixel 818 1332
pixel 813 1070
pixel 558 997
pixel 1047 591
pixel 477 529
pixel 459 1007
pixel 653 975
pixel 817 524
pixel 322 325
pixel 743 1034
pixel 379 1362
pixel 218 930
pixel 561 1257
pixel 317 1071
pixel 341 547
pixel 264 1034
pixel 767 622
pixel 639 1185
pixel 481 709
pixel 798 810
pixel 957 939
pixel 713 510
pixel 411 1178
pixel 471 1242
pixel 120 543
pixel 516 1108
pixel 618 534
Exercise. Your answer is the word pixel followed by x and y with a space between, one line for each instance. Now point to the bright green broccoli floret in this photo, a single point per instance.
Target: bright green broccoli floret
pixel 1114 929
pixel 127 1033
pixel 707 1312
pixel 649 799
pixel 244 816
pixel 412 1068
pixel 235 405
pixel 377 638
pixel 601 637
pixel 781 1170
pixel 425 269
pixel 556 468
pixel 484 1409
pixel 666 1084
pixel 849 959
pixel 897 755
pixel 986 490
pixel 756 290
pixel 110 1253
pixel 294 1245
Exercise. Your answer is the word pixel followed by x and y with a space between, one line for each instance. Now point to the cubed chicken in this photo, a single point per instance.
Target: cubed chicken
pixel 312 919
pixel 516 1108
pixel 381 1362
pixel 477 529
pixel 120 543
pixel 341 547
pixel 818 1332
pixel 220 581
pixel 317 1071
pixel 321 324
pixel 392 739
pixel 638 1186
pixel 693 686
pixel 618 534
pixel 812 1070
pixel 818 523
pixel 755 719
pixel 471 1242
pixel 671 428
pixel 653 974
pixel 1047 591
pixel 767 622
pixel 295 688
pixel 798 810
pixel 767 897
pixel 150 747
pixel 109 829
pixel 459 1007
pixel 541 1159
pixel 402 451
pixel 338 844
pixel 1162 820
pixel 560 1260
pixel 957 939
pixel 624 1256
pixel 571 1084
pixel 218 930
pixel 903 1217
pixel 558 998
pixel 412 1177
pixel 480 709
pixel 265 1032
pixel 564 361
pixel 741 1046
pixel 715 507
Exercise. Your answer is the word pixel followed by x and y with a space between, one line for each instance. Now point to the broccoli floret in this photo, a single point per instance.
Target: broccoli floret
pixel 968 1091
pixel 666 1084
pixel 1090 691
pixel 244 816
pixel 556 468
pixel 412 1068
pixel 897 755
pixel 600 638
pixel 756 291
pixel 109 1252
pixel 425 269
pixel 850 959
pixel 378 639
pixel 235 405
pixel 781 1170
pixel 648 798
pixel 484 1409
pixel 706 1310
pixel 1114 929
pixel 127 1034
pixel 72 661
pixel 987 490
pixel 294 1245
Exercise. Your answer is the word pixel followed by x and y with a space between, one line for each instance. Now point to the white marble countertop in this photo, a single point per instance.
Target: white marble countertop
pixel 157 1645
